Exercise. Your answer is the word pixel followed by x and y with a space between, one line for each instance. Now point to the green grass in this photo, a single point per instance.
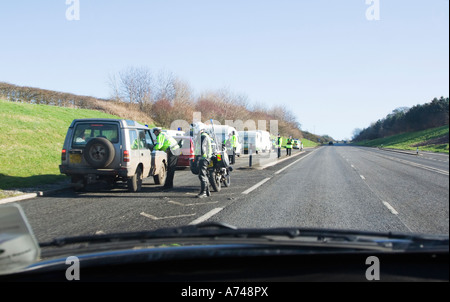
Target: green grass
pixel 307 143
pixel 433 140
pixel 31 139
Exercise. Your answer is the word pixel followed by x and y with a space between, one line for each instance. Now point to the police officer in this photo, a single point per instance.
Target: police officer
pixel 167 143
pixel 203 153
pixel 289 143
pixel 278 144
pixel 231 144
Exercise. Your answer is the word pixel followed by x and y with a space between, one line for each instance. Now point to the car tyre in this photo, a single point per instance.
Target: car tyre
pixel 99 152
pixel 135 182
pixel 160 178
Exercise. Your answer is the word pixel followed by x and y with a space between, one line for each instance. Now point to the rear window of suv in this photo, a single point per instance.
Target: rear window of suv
pixel 87 131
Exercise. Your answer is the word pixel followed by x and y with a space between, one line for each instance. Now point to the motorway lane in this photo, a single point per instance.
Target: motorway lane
pixel 106 211
pixel 416 189
pixel 328 187
pixel 427 160
pixel 348 188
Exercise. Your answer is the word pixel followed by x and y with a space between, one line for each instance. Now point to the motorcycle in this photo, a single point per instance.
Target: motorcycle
pixel 218 172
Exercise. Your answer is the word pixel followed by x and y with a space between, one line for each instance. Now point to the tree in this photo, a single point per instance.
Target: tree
pixel 133 85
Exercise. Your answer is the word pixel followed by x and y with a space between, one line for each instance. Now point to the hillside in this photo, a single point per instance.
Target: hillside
pixel 433 140
pixel 31 140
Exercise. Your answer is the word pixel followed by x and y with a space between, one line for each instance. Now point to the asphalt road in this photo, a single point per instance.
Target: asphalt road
pixel 336 186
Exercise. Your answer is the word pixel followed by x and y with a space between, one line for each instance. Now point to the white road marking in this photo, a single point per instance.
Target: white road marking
pixel 206 216
pixel 277 161
pixel 18 198
pixel 362 176
pixel 191 204
pixel 167 217
pixel 281 170
pixel 256 186
pixel 391 208
pixel 407 162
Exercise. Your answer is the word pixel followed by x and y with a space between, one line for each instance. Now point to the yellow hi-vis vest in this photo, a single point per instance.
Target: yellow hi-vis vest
pixel 164 141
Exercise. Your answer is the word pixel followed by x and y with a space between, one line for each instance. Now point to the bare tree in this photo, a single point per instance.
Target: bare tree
pixel 133 85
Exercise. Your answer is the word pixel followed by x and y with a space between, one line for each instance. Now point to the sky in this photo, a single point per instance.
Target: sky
pixel 335 65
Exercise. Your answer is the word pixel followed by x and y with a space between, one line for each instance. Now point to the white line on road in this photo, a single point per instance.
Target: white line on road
pixel 167 217
pixel 281 170
pixel 362 176
pixel 191 204
pixel 206 216
pixel 276 161
pixel 256 186
pixel 391 208
pixel 18 198
pixel 407 162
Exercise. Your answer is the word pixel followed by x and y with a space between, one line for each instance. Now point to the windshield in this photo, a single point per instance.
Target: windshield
pixel 347 103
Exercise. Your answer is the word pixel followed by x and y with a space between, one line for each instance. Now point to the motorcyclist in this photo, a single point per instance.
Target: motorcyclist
pixel 203 154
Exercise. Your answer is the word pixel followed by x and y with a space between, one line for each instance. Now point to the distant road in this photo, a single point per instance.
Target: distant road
pixel 352 188
pixel 336 186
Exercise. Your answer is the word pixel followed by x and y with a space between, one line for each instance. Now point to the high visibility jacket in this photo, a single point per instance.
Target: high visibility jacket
pixel 164 141
pixel 233 141
pixel 203 146
pixel 279 142
pixel 289 143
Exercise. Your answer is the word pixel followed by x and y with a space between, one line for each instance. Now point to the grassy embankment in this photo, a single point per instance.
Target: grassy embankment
pixel 433 140
pixel 31 139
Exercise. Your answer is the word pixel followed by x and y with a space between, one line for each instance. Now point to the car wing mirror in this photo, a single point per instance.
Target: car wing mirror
pixel 18 245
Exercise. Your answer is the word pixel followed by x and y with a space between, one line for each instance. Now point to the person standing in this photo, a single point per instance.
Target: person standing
pixel 231 144
pixel 203 154
pixel 233 147
pixel 167 143
pixel 278 144
pixel 289 143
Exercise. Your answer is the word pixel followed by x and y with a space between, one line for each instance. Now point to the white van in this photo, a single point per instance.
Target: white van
pixel 256 140
pixel 174 133
pixel 222 132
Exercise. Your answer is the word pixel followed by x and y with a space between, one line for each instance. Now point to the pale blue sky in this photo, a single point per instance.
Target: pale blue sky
pixel 323 59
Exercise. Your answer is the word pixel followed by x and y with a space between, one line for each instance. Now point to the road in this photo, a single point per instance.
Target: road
pixel 341 187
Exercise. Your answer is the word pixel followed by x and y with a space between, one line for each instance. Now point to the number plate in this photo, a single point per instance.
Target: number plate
pixel 75 158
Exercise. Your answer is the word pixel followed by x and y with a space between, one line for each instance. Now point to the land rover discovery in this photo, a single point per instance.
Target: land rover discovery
pixel 112 151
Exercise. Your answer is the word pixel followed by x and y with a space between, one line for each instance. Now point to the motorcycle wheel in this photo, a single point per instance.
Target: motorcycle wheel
pixel 227 179
pixel 214 181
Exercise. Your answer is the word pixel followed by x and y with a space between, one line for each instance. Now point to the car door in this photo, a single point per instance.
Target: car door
pixel 146 152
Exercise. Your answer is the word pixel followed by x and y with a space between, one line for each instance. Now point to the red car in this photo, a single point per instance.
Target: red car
pixel 186 144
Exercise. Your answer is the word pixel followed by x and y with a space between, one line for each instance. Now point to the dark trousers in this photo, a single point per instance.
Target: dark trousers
pixel 172 161
pixel 203 173
pixel 288 151
pixel 232 157
pixel 279 152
